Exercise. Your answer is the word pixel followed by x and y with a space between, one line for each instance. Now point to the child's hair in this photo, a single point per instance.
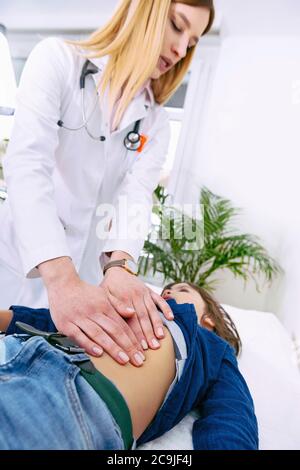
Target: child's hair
pixel 224 326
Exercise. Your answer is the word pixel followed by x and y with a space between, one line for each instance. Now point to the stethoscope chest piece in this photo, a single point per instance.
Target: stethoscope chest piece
pixel 132 141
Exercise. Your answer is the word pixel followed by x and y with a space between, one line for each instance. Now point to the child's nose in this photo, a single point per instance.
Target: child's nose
pixel 166 293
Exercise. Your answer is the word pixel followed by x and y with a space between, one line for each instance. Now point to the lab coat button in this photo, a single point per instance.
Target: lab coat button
pixel 102 138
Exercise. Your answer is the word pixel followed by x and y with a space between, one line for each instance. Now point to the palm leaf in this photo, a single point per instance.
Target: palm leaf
pixel 219 245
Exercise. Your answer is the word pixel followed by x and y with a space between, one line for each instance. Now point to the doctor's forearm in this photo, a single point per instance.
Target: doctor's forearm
pixel 57 270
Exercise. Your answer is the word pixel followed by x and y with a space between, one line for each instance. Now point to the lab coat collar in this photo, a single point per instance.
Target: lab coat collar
pixel 143 100
pixel 101 62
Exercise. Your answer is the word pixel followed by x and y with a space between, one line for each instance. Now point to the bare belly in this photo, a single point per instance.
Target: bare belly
pixel 144 388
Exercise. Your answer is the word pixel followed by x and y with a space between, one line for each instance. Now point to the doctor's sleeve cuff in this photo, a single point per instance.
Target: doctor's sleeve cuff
pixel 42 254
pixel 128 246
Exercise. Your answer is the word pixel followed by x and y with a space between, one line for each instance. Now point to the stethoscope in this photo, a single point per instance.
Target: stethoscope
pixel 133 139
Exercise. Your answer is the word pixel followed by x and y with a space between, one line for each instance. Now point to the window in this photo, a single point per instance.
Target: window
pixel 188 122
pixel 175 109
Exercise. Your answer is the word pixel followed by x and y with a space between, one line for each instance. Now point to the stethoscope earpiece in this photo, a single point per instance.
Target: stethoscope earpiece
pixel 133 139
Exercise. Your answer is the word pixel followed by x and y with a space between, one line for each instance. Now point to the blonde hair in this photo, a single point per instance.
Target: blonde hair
pixel 133 39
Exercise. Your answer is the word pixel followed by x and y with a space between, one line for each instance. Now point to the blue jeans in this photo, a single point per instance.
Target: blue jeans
pixel 45 403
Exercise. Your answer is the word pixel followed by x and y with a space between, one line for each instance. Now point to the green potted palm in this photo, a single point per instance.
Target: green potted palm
pixel 219 245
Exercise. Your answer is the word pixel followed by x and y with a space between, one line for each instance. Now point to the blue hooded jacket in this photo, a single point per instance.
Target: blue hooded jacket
pixel 210 382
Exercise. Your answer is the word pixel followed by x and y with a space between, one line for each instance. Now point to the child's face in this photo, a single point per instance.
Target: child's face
pixel 184 294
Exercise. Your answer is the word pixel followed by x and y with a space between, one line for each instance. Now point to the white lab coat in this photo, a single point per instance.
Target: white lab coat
pixel 57 178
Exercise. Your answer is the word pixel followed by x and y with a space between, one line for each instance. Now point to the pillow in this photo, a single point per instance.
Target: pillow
pixel 269 368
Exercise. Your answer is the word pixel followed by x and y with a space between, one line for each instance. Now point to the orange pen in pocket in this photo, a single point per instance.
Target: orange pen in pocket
pixel 144 139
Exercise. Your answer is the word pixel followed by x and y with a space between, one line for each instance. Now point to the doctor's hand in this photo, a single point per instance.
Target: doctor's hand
pixel 85 314
pixel 130 290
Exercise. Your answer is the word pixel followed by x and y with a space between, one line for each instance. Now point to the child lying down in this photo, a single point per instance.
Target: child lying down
pixel 54 396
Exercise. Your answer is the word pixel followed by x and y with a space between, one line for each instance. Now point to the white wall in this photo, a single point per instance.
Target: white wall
pixel 249 146
pixel 259 17
pixel 55 14
pixel 250 152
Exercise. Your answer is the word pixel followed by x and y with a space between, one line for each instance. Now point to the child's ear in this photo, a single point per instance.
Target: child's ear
pixel 208 323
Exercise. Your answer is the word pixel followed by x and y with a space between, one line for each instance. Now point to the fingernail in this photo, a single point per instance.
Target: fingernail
pixel 155 343
pixel 142 355
pixel 123 356
pixel 160 332
pixel 138 359
pixel 171 315
pixel 144 344
pixel 97 351
pixel 130 310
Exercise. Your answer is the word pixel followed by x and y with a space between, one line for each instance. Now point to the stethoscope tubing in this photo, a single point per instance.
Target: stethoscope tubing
pixel 133 139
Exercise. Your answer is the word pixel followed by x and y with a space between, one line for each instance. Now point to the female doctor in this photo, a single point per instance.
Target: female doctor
pixel 89 140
